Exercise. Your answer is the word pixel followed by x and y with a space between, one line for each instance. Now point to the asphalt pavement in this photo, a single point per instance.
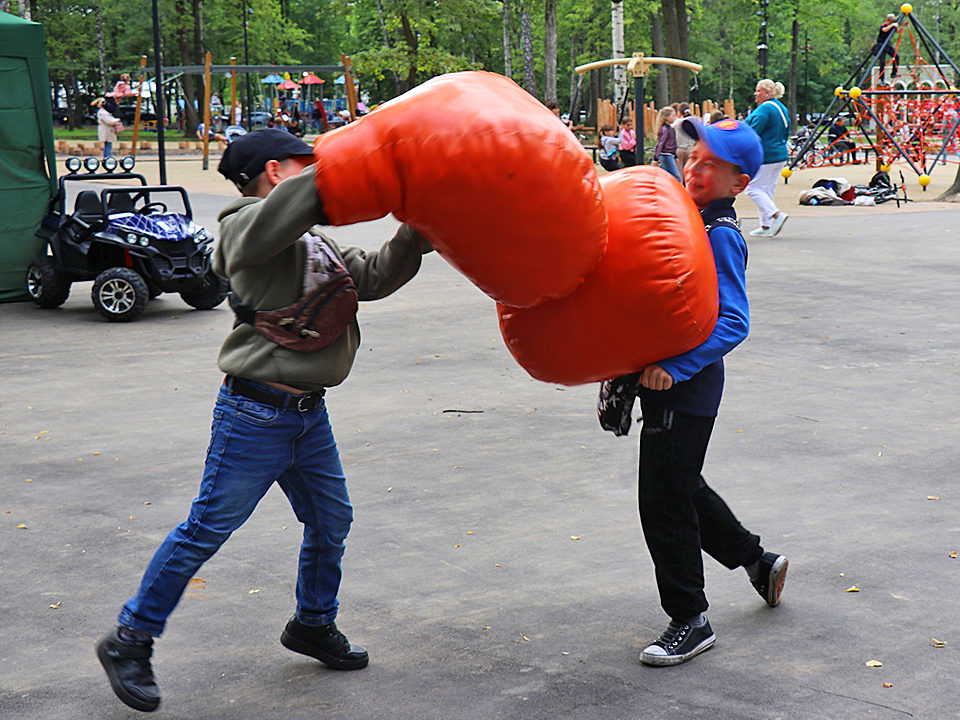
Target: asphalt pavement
pixel 496 567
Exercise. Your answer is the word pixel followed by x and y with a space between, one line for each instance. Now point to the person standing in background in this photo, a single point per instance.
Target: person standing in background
pixel 107 124
pixel 771 121
pixel 684 141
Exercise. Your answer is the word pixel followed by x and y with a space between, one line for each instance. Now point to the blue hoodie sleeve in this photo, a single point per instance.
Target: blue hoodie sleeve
pixel 733 322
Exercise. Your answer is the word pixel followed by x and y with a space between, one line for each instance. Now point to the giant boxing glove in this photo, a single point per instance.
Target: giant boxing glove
pixel 500 188
pixel 652 296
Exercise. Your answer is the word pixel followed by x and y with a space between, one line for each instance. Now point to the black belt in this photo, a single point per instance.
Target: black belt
pixel 302 403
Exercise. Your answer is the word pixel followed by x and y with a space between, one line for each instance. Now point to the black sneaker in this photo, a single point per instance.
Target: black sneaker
pixel 678 643
pixel 325 643
pixel 771 574
pixel 128 667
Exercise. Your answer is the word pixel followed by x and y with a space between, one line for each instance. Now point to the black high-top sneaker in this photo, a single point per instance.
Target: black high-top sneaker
pixel 127 664
pixel 325 643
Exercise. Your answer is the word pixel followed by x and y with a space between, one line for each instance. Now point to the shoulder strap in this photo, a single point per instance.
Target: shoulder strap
pixel 727 222
pixel 786 123
pixel 724 222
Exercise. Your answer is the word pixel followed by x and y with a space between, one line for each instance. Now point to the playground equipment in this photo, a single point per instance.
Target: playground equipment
pixel 911 116
pixel 638 65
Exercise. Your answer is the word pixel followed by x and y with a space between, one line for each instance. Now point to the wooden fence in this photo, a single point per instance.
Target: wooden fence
pixel 607 113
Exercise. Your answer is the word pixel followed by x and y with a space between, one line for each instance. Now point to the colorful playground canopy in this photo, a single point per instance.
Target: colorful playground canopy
pixel 272 79
pixel 288 85
pixel 311 79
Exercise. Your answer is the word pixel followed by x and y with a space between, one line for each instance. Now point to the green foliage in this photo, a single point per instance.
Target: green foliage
pixel 430 37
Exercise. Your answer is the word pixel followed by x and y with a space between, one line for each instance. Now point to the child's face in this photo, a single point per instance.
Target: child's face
pixel 708 178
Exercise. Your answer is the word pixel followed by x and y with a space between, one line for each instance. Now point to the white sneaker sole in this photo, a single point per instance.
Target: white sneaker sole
pixel 668 660
pixel 778 576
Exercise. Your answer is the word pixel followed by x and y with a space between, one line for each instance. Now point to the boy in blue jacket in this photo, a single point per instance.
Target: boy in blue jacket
pixel 679 397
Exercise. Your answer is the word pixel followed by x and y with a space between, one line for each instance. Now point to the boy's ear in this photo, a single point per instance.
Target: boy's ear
pixel 740 184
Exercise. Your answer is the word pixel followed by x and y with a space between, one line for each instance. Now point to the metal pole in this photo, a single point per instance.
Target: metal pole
pixel 762 45
pixel 246 58
pixel 136 114
pixel 638 98
pixel 158 93
pixel 206 114
pixel 233 91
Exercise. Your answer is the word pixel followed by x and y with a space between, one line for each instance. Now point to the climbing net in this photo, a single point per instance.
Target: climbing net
pixel 911 115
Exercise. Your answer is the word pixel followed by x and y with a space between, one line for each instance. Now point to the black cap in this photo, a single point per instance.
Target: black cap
pixel 247 156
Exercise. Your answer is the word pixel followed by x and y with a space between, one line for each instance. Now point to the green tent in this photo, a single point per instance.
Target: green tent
pixel 28 175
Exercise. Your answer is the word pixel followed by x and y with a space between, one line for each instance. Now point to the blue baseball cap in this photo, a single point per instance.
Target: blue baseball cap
pixel 730 140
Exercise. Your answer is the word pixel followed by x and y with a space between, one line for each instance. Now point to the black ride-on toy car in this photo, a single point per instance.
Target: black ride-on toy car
pixel 126 241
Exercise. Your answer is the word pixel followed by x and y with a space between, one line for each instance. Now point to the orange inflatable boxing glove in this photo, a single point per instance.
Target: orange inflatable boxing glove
pixel 652 296
pixel 500 188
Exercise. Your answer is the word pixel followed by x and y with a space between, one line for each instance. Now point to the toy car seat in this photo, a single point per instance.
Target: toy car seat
pixel 88 208
pixel 120 202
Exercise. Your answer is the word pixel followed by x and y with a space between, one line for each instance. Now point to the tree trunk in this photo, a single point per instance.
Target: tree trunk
pixel 526 35
pixel 101 47
pixel 575 79
pixel 550 51
pixel 656 31
pixel 676 33
pixel 592 95
pixel 412 46
pixel 619 71
pixel 953 191
pixel 74 111
pixel 186 46
pixel 387 44
pixel 792 92
pixel 507 53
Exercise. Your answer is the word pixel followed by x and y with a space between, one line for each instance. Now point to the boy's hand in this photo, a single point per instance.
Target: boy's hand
pixel 655 377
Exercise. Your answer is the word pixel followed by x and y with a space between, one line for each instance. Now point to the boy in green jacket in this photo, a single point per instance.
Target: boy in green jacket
pixel 270 423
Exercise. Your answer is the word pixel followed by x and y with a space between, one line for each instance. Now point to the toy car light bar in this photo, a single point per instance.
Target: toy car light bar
pixel 91 164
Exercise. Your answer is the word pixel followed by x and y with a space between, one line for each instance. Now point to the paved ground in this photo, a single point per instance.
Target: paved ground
pixel 470 480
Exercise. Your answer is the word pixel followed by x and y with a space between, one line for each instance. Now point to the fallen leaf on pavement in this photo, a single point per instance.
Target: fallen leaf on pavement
pixel 938 643
pixel 874 663
pixel 55 605
pixel 888 685
pixel 852 589
pixel 953 554
pixel 574 537
pixel 253 592
pixel 933 497
pixel 22 527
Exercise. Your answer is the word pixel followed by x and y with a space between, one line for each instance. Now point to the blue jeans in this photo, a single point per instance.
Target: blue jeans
pixel 669 163
pixel 107 149
pixel 253 445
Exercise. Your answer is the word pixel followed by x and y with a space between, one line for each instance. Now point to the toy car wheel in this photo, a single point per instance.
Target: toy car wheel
pixel 208 294
pixel 120 294
pixel 46 286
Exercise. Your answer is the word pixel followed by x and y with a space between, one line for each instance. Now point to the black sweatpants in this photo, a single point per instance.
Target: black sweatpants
pixel 680 514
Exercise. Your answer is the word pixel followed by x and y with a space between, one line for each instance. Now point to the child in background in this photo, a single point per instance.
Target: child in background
pixel 108 125
pixel 122 89
pixel 679 397
pixel 665 151
pixel 684 141
pixel 609 143
pixel 628 144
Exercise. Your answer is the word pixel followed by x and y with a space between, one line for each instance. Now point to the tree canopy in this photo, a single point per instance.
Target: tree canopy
pixel 396 44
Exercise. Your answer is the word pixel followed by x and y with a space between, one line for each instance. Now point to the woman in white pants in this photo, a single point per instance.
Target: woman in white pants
pixel 771 120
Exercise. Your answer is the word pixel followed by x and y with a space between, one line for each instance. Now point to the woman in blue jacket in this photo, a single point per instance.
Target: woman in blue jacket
pixel 771 120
